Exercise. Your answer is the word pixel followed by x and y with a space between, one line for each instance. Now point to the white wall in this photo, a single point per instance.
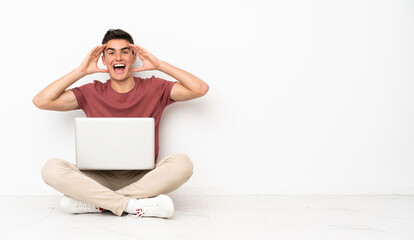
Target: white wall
pixel 305 96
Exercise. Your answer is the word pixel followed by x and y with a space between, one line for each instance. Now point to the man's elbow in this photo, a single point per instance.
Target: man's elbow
pixel 204 89
pixel 38 103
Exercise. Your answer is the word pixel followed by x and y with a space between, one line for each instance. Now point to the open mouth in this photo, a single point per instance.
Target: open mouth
pixel 119 68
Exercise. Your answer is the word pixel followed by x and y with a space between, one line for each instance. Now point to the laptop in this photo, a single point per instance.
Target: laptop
pixel 114 143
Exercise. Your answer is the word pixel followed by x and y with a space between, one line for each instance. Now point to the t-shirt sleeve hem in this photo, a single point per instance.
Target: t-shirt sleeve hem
pixel 168 90
pixel 79 96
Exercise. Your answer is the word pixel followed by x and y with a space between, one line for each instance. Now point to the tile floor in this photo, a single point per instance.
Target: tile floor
pixel 220 217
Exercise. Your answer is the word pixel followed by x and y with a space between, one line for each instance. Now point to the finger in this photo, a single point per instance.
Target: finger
pixel 140 48
pixel 136 48
pixel 139 52
pixel 139 69
pixel 102 47
pixel 92 52
pixel 101 70
pixel 142 51
pixel 133 46
pixel 140 55
pixel 99 50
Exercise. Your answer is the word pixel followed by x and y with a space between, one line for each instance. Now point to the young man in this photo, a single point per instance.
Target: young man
pixel 123 95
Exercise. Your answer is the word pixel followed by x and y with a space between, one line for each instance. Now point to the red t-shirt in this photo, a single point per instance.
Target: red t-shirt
pixel 148 98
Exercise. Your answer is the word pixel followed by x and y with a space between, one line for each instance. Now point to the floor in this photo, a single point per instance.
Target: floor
pixel 220 217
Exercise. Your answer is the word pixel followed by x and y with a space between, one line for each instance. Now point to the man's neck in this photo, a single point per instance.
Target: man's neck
pixel 123 86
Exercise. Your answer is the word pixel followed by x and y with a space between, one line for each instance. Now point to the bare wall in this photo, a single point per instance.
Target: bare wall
pixel 305 96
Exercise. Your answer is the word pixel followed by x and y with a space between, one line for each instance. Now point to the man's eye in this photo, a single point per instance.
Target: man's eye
pixel 111 53
pixel 125 52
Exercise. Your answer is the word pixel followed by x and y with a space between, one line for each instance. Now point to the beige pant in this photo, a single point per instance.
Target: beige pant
pixel 112 190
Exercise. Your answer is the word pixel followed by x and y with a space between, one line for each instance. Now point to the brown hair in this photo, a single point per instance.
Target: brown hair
pixel 117 34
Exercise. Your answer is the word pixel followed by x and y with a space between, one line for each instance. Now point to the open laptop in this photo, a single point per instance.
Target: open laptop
pixel 114 143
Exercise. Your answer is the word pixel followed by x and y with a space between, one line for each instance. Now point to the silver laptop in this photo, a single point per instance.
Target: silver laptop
pixel 114 143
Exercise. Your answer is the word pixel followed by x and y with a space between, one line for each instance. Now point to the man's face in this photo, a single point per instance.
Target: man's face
pixel 118 58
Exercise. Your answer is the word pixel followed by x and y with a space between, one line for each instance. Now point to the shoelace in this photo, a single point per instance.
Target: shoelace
pixel 86 206
pixel 139 214
pixel 151 209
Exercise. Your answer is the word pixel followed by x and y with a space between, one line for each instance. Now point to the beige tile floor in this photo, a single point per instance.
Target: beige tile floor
pixel 221 217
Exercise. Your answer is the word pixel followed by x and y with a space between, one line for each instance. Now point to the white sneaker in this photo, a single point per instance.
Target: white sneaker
pixel 160 206
pixel 71 205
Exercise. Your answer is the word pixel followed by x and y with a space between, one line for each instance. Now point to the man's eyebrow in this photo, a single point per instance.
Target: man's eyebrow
pixel 113 49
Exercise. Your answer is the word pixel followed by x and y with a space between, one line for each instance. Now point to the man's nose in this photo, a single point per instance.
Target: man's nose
pixel 118 55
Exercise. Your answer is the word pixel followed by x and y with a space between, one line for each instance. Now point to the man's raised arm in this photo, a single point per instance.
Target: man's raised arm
pixel 188 86
pixel 56 97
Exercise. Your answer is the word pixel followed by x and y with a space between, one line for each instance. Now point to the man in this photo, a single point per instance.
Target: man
pixel 123 95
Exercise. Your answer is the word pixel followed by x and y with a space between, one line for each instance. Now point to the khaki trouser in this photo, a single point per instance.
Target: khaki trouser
pixel 112 190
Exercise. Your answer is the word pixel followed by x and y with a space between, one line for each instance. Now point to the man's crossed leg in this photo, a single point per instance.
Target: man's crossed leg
pixel 132 191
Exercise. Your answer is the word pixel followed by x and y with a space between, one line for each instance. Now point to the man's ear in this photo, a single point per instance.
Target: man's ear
pixel 103 59
pixel 134 57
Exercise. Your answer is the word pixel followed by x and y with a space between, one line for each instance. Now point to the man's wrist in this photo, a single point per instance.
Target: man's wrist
pixel 79 72
pixel 162 66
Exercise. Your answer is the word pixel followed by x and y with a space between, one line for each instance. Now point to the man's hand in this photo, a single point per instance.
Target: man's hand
pixel 149 61
pixel 90 64
pixel 56 97
pixel 188 86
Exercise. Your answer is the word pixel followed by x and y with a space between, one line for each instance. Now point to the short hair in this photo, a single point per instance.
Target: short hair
pixel 117 34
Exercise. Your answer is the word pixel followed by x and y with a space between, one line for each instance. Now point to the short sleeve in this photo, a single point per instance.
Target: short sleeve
pixel 166 87
pixel 79 94
pixel 167 92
